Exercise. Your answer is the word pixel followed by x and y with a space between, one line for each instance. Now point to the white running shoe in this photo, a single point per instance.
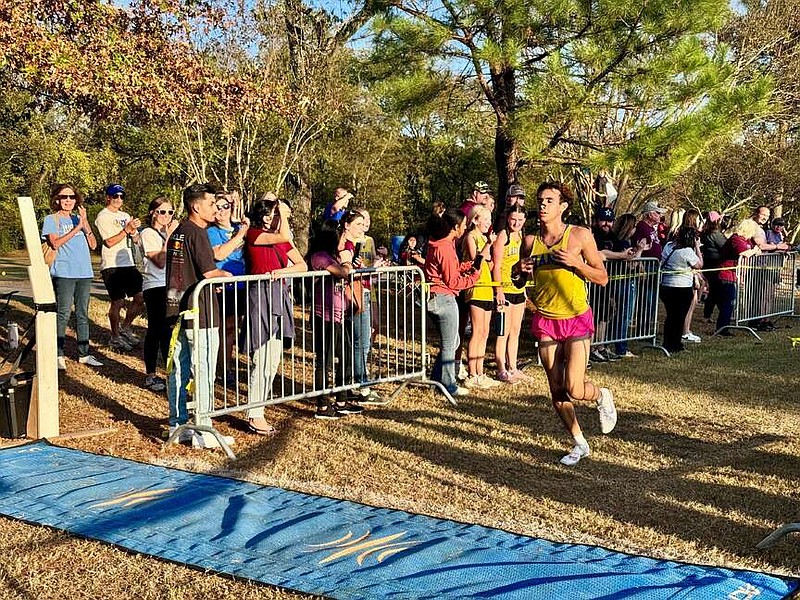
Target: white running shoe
pixel 691 337
pixel 90 360
pixel 607 410
pixel 460 391
pixel 62 363
pixel 472 381
pixel 486 383
pixel 577 453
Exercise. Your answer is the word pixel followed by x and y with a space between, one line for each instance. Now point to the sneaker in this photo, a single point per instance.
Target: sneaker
pixel 577 453
pixel 62 363
pixel 372 398
pixel 327 412
pixel 119 344
pixel 690 337
pixel 462 372
pixel 155 383
pixel 203 439
pixel 610 355
pixel 485 382
pixel 597 357
pixel 629 354
pixel 349 408
pixel 185 436
pixel 607 410
pixel 472 382
pixel 130 338
pixel 90 360
pixel 507 377
pixel 459 391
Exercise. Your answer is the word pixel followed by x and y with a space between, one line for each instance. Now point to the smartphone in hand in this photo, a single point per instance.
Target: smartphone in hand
pixel 357 251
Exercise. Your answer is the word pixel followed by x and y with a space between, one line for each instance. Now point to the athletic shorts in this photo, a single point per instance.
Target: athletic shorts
pixel 122 282
pixel 562 330
pixel 515 298
pixel 487 305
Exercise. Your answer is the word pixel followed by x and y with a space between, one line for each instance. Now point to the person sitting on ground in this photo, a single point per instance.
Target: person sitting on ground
pixel 560 259
pixel 480 298
pixel 68 232
pixel 161 225
pixel 190 260
pixel 119 232
pixel 271 319
pixel 680 257
pixel 333 347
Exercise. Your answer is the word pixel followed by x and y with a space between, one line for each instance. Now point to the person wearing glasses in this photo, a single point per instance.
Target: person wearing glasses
pixel 68 231
pixel 154 287
pixel 119 232
pixel 227 240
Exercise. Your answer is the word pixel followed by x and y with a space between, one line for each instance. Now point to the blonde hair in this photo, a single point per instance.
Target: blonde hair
pixel 476 212
pixel 748 228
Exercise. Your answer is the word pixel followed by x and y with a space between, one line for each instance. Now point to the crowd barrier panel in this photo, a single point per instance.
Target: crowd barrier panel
pixel 765 289
pixel 244 347
pixel 626 308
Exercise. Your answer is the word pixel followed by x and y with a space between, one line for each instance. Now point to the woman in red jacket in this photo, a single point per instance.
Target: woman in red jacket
pixel 446 277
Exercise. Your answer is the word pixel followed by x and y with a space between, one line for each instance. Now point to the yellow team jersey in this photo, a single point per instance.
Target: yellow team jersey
pixel 510 258
pixel 558 293
pixel 483 287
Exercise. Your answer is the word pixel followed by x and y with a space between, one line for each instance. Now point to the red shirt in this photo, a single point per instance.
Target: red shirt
pixel 265 259
pixel 443 271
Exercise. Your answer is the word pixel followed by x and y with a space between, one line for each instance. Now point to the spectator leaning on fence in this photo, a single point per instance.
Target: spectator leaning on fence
pixel 648 229
pixel 154 239
pixel 509 299
pixel 190 260
pixel 626 287
pixel 68 232
pixel 480 297
pixel 560 259
pixel 680 257
pixel 119 232
pixel 446 277
pixel 739 244
pixel 761 217
pixel 269 301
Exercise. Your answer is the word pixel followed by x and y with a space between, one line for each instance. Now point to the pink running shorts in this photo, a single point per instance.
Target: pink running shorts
pixel 562 330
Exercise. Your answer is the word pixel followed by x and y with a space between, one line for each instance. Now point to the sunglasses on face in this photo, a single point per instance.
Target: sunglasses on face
pixel 224 206
pixel 165 212
pixel 118 196
pixel 66 196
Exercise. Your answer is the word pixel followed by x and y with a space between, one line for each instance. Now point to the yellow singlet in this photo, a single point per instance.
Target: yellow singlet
pixel 483 288
pixel 510 258
pixel 558 293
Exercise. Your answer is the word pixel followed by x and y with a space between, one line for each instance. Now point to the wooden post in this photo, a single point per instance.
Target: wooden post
pixel 44 399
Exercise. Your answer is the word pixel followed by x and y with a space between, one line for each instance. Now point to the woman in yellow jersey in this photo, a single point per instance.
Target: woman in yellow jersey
pixel 560 259
pixel 480 298
pixel 509 298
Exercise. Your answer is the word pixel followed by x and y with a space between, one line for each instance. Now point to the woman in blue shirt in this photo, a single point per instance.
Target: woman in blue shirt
pixel 68 231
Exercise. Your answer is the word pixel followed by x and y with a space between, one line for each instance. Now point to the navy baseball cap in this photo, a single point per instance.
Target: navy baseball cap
pixel 114 189
pixel 604 214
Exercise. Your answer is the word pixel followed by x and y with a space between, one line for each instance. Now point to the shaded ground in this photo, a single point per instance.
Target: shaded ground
pixel 702 465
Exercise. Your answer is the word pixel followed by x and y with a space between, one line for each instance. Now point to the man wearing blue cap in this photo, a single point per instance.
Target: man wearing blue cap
pixel 119 232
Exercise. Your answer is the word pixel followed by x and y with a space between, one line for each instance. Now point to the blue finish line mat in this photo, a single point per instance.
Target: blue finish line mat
pixel 332 547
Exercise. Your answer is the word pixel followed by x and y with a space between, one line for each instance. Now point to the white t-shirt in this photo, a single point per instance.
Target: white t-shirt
pixel 110 224
pixel 152 241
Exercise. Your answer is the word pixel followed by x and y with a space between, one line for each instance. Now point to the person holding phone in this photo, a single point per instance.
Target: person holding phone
pixel 447 276
pixel 477 246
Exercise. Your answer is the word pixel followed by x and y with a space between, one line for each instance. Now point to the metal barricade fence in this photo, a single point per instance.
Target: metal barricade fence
pixel 626 308
pixel 765 288
pixel 260 341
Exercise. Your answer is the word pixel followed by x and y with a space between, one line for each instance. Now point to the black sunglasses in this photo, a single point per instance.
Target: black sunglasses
pixel 118 196
pixel 66 196
pixel 165 212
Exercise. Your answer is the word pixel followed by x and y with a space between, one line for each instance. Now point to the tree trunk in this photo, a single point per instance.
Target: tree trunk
pixel 506 146
pixel 301 213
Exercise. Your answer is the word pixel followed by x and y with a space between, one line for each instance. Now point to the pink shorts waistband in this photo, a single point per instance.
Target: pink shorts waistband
pixel 561 330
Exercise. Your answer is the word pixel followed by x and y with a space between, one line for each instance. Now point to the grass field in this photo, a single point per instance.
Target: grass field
pixel 702 465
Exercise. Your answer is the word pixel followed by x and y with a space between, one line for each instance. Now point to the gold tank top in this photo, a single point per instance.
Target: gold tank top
pixel 558 293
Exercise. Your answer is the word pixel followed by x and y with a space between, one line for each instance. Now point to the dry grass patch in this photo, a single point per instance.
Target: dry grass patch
pixel 702 465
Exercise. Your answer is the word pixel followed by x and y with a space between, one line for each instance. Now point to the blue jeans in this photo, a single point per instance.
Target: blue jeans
pixel 444 310
pixel 624 299
pixel 362 340
pixel 70 290
pixel 727 301
pixel 206 348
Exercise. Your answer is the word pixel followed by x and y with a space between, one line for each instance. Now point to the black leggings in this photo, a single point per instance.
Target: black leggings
pixel 677 301
pixel 158 333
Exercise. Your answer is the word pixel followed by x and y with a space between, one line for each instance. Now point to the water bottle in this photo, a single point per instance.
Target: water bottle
pixel 13 335
pixel 500 323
